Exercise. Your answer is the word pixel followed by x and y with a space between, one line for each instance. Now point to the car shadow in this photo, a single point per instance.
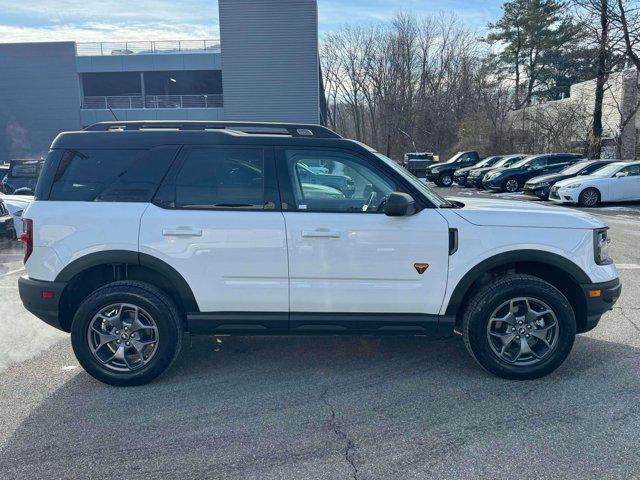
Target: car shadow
pixel 231 403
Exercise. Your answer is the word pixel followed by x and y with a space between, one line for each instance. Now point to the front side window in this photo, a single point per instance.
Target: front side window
pixel 219 178
pixel 631 171
pixel 336 181
pixel 538 163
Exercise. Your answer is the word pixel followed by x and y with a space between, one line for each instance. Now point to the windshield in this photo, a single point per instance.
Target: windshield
pixel 485 163
pixel 522 162
pixel 572 169
pixel 607 170
pixel 433 197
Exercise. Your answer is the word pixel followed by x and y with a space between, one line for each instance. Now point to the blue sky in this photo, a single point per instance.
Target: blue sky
pixel 95 20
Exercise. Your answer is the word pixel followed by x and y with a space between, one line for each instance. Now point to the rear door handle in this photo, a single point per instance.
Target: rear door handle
pixel 320 233
pixel 181 232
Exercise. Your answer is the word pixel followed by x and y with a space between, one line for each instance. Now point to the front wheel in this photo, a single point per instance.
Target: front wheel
pixel 126 333
pixel 519 327
pixel 511 185
pixel 589 197
pixel 445 180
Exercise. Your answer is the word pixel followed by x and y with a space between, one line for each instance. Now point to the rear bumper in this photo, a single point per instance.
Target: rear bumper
pixel 599 303
pixel 44 306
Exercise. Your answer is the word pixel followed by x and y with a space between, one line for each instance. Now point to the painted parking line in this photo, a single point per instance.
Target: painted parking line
pixel 628 266
pixel 12 272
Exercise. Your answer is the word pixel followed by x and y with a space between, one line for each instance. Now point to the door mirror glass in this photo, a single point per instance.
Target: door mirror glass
pixel 399 205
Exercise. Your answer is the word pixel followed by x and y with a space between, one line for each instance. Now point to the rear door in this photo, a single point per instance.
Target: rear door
pixel 216 220
pixel 352 268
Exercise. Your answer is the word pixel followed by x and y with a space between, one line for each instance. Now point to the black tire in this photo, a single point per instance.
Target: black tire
pixel 160 307
pixel 589 197
pixel 481 307
pixel 511 185
pixel 445 180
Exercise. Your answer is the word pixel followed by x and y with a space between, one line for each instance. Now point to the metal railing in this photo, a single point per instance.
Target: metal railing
pixel 152 101
pixel 150 47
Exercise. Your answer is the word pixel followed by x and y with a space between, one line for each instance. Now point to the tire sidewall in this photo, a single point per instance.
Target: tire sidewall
pixel 476 329
pixel 449 183
pixel 168 336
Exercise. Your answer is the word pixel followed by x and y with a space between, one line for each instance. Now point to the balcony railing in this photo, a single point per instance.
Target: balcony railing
pixel 150 47
pixel 152 101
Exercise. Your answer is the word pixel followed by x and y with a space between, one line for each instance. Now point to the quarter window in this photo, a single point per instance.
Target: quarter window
pixel 220 178
pixel 335 181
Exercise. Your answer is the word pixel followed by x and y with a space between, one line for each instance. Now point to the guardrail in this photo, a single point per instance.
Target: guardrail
pixel 151 47
pixel 129 102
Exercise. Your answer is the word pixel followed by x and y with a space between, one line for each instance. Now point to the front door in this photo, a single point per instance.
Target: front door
pixel 215 222
pixel 351 267
pixel 629 185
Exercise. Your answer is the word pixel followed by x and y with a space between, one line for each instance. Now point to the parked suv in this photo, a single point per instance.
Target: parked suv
pixel 513 178
pixel 442 173
pixel 460 175
pixel 141 231
pixel 21 177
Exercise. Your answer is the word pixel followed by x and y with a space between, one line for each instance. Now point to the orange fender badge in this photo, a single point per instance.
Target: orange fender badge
pixel 421 267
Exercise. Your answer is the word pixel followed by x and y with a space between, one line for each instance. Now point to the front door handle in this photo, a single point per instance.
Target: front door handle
pixel 181 232
pixel 320 233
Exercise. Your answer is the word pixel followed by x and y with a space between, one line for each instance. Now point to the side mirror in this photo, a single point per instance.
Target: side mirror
pixel 399 205
pixel 620 175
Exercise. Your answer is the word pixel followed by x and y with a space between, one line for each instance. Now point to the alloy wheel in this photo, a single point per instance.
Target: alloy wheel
pixel 446 181
pixel 523 331
pixel 123 337
pixel 511 185
pixel 589 198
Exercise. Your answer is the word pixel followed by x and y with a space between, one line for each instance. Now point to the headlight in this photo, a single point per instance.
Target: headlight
pixel 572 186
pixel 601 246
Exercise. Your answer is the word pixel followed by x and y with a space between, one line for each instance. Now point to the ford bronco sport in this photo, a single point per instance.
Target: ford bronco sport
pixel 141 231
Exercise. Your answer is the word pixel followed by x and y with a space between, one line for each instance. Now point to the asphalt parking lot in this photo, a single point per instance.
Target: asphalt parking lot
pixel 326 407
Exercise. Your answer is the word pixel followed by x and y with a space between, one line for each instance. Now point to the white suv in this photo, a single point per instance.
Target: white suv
pixel 141 231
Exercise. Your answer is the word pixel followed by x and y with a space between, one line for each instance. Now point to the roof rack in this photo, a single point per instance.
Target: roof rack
pixel 257 128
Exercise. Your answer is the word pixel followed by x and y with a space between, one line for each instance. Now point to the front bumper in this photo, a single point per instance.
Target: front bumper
pixel 564 195
pixel 599 298
pixel 493 184
pixel 42 299
pixel 540 192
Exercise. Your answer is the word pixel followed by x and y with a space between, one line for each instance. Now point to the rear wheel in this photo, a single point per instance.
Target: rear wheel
pixel 511 185
pixel 589 197
pixel 445 180
pixel 519 327
pixel 126 333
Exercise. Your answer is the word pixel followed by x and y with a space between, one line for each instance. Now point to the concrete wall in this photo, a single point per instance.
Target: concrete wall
pixel 149 62
pixel 270 60
pixel 39 96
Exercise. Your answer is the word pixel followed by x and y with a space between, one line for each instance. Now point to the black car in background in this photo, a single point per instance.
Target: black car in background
pixel 21 177
pixel 442 173
pixel 540 186
pixel 513 178
pixel 7 228
pixel 460 175
pixel 476 175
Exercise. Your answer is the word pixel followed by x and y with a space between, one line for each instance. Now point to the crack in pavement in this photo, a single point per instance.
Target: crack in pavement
pixel 349 446
pixel 624 315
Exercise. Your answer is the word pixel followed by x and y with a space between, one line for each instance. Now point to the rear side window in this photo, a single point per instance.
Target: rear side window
pixel 214 178
pixel 110 175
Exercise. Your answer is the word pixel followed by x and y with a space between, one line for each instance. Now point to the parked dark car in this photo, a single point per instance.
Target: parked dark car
pixel 513 178
pixel 460 175
pixel 442 173
pixel 477 174
pixel 21 177
pixel 343 183
pixel 7 228
pixel 418 162
pixel 540 186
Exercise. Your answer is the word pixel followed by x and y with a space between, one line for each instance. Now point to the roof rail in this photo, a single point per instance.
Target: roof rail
pixel 264 128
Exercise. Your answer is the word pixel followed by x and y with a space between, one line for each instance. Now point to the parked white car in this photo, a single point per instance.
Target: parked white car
pixel 15 205
pixel 616 182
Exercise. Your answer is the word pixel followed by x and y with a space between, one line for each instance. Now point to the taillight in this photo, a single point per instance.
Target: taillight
pixel 27 237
